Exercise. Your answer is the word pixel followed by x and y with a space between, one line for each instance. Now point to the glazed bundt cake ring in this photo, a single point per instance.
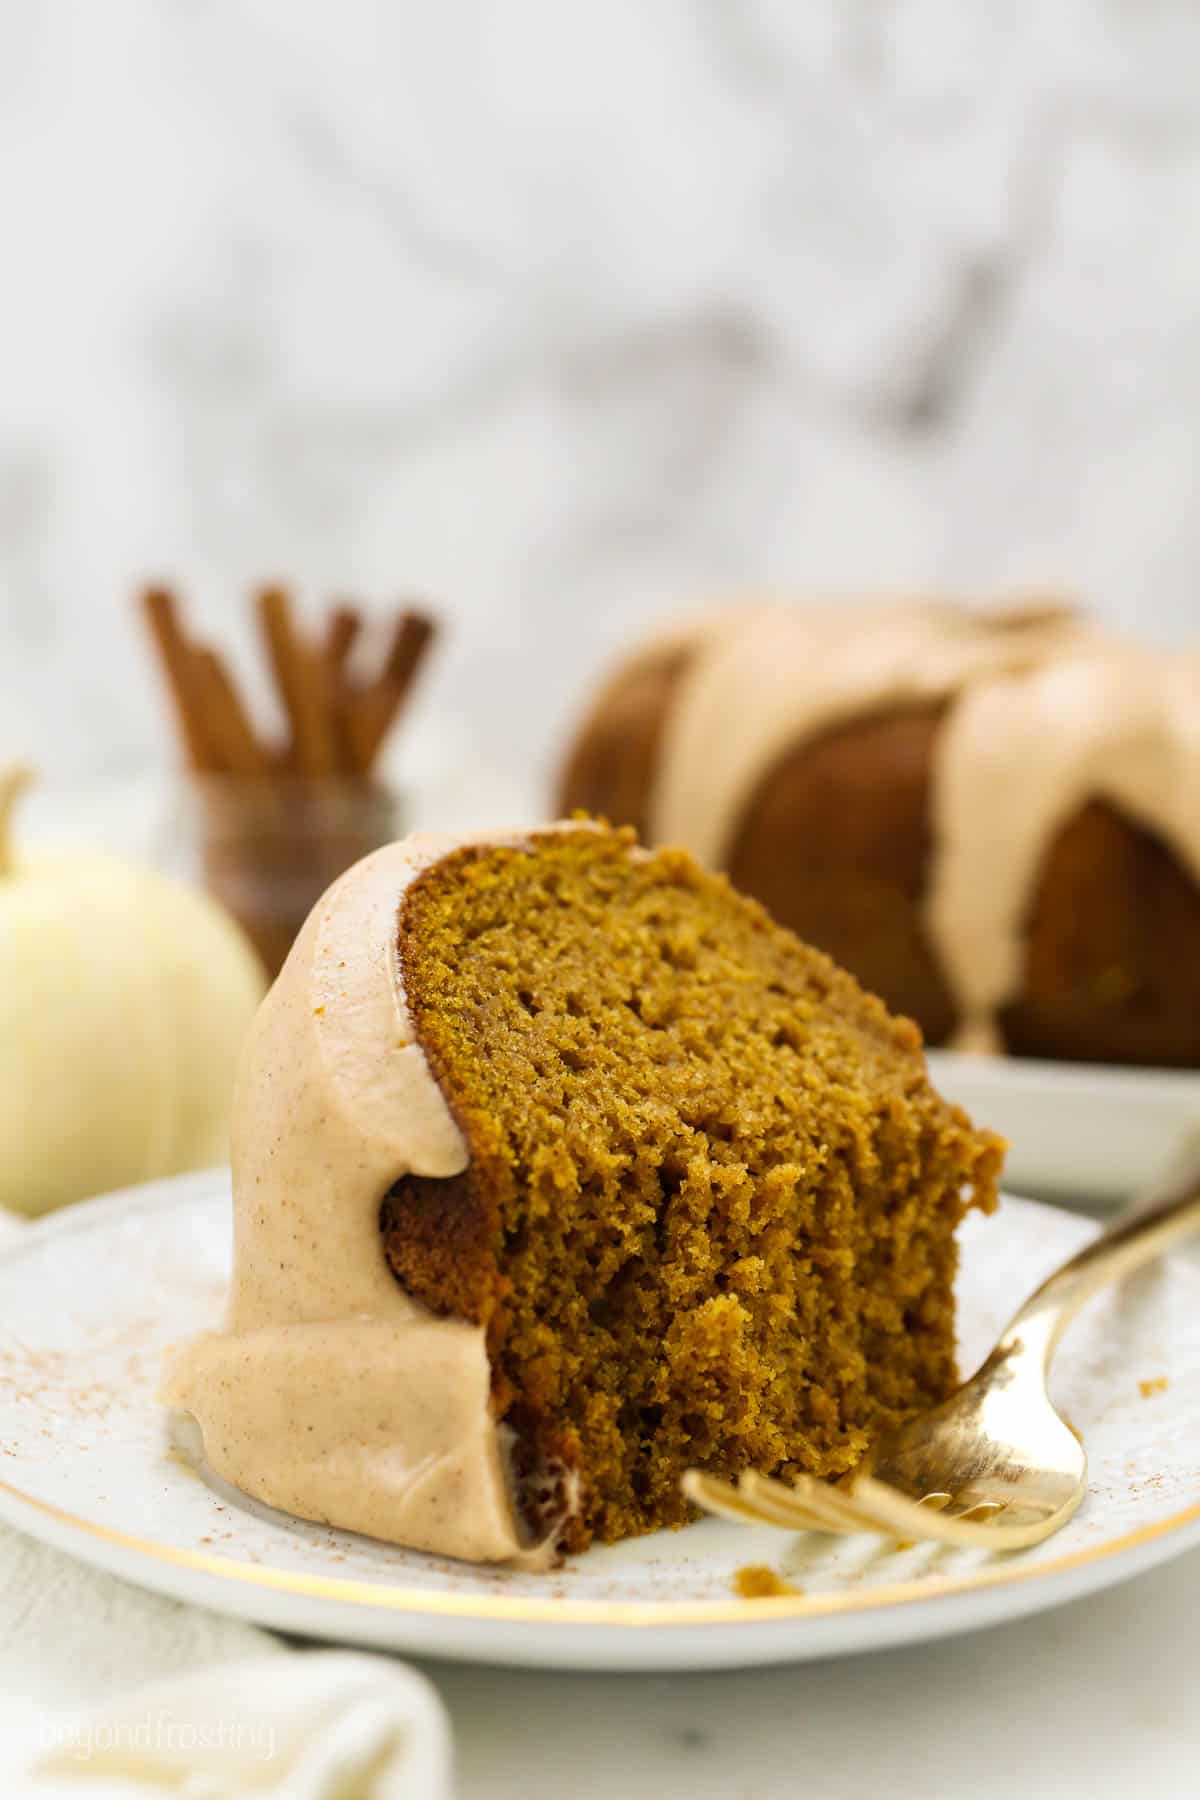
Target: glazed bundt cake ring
pixel 991 818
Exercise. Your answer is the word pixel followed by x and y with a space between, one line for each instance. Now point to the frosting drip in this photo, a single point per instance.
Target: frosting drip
pixel 1045 713
pixel 332 1393
pixel 1019 756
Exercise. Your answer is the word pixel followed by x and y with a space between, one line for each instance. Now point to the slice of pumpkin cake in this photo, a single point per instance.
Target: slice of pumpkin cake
pixel 560 1168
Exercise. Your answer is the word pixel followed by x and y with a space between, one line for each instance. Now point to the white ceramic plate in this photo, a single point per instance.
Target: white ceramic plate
pixel 90 1462
pixel 1085 1133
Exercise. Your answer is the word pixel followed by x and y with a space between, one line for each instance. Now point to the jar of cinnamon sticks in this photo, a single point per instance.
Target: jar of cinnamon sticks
pixel 274 823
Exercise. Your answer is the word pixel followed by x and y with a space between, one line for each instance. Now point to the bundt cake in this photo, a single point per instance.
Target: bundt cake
pixel 558 1168
pixel 991 818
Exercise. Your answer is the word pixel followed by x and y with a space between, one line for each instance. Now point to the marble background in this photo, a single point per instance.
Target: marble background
pixel 566 313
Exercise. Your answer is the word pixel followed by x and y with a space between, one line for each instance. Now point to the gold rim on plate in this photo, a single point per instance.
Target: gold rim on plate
pixel 641 1614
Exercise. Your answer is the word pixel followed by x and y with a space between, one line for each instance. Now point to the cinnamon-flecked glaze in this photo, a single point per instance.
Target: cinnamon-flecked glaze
pixel 991 818
pixel 330 1392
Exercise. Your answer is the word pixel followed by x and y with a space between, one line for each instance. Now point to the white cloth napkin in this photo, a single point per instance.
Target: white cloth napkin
pixel 107 1692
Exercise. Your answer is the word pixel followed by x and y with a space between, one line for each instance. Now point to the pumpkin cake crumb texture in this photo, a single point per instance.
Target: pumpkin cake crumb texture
pixel 709 1212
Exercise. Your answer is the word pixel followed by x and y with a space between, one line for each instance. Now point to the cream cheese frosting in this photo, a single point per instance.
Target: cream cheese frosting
pixel 1045 712
pixel 330 1392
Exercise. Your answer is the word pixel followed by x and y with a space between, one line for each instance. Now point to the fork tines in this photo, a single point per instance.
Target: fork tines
pixel 865 1504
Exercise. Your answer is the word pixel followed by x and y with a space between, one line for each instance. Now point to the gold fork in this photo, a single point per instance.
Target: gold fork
pixel 992 1467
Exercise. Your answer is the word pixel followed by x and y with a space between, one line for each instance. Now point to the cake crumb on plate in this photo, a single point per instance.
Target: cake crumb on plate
pixel 754 1581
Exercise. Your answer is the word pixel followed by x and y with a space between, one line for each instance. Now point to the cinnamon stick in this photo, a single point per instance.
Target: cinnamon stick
pixel 225 722
pixel 300 677
pixel 372 712
pixel 179 663
pixel 341 634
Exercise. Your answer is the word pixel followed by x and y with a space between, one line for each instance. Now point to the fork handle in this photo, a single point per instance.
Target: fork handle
pixel 1116 1253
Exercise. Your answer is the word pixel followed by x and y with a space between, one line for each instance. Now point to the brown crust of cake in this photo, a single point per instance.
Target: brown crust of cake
pixel 1111 972
pixel 438 1234
pixel 610 770
pixel 836 843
